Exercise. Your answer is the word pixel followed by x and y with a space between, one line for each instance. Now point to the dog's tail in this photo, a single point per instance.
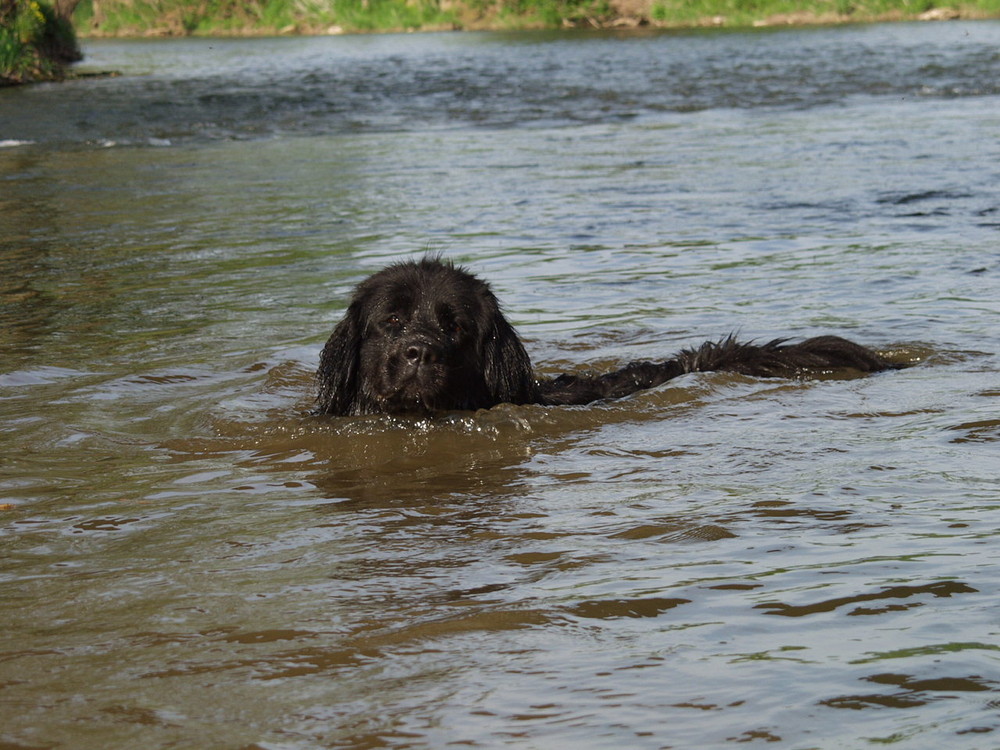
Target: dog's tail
pixel 780 359
pixel 815 356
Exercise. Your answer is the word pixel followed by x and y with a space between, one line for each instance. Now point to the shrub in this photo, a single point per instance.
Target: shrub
pixel 35 44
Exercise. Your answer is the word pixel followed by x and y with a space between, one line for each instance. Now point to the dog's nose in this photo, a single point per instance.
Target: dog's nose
pixel 420 353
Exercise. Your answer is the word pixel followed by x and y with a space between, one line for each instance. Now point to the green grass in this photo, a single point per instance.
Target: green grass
pixel 384 14
pixel 222 17
pixel 206 17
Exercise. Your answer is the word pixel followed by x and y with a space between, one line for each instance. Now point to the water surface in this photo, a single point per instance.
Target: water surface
pixel 191 560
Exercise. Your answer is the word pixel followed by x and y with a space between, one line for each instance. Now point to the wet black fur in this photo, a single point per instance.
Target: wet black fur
pixel 426 336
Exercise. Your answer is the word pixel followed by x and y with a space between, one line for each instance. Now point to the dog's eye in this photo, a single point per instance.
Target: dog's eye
pixel 393 321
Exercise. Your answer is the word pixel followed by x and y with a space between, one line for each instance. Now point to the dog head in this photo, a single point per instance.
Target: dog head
pixel 421 337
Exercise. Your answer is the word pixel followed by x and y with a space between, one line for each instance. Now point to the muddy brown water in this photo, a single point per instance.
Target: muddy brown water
pixel 189 559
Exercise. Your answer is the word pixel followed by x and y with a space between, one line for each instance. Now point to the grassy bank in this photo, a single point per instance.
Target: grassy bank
pixel 35 43
pixel 253 17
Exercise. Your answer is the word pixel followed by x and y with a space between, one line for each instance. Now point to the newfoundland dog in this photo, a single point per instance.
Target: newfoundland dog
pixel 427 336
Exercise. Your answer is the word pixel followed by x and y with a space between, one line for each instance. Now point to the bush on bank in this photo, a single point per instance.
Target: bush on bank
pixel 35 42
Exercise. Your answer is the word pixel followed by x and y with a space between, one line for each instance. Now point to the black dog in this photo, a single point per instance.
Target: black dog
pixel 426 336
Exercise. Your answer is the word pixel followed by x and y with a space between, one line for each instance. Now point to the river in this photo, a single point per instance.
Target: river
pixel 189 559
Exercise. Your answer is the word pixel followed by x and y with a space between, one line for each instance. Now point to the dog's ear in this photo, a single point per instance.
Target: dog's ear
pixel 506 365
pixel 338 366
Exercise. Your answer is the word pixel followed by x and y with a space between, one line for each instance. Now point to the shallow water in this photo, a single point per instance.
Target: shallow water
pixel 191 560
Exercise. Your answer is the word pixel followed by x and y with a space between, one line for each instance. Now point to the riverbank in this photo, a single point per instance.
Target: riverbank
pixel 143 18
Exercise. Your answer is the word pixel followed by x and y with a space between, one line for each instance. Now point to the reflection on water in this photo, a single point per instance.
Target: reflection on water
pixel 191 559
